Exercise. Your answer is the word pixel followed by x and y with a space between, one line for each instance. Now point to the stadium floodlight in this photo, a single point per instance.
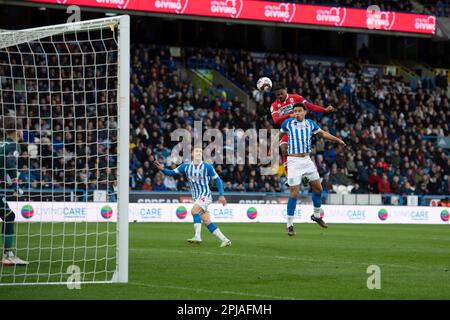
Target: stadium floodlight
pixel 67 87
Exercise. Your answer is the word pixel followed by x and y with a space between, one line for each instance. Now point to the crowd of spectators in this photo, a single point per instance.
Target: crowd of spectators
pixel 70 136
pixel 161 103
pixel 382 120
pixel 64 97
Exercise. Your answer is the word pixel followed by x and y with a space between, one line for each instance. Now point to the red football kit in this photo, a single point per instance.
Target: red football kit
pixel 281 110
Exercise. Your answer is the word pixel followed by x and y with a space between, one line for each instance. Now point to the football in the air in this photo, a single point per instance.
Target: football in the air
pixel 264 84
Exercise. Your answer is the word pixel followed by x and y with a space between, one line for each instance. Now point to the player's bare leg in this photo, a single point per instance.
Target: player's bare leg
pixel 316 188
pixel 284 154
pixel 206 219
pixel 196 214
pixel 292 203
pixel 8 218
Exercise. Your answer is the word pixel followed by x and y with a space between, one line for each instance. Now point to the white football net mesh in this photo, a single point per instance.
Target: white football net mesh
pixel 61 85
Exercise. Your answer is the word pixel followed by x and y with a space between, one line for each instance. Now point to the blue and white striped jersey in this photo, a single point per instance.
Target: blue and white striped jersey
pixel 198 177
pixel 299 134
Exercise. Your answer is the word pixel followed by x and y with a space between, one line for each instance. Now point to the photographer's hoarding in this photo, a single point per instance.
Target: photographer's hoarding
pixel 249 213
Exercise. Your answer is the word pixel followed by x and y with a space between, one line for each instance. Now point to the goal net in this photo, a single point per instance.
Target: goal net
pixel 64 134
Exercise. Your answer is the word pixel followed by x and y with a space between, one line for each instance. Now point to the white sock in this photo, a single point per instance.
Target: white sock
pixel 219 235
pixel 317 212
pixel 290 221
pixel 198 230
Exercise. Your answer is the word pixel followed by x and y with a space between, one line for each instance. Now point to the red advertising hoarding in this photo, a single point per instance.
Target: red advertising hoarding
pixel 289 13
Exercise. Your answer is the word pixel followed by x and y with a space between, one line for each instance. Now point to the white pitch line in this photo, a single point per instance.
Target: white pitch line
pixel 238 293
pixel 284 258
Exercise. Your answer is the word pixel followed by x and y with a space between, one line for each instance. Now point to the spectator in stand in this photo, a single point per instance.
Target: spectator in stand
pixel 384 187
pixel 357 190
pixel 445 202
pixel 139 178
pixel 373 181
pixel 158 184
pixel 147 184
pixel 322 168
pixel 395 185
pixel 407 189
pixel 329 154
pixel 351 167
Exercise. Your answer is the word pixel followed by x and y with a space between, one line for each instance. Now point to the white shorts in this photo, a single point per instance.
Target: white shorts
pixel 203 202
pixel 301 167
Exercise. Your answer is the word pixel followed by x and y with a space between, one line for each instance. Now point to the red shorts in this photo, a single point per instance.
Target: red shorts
pixel 284 139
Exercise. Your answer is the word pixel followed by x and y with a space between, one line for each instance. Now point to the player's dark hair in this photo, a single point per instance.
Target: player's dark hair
pixel 301 104
pixel 279 86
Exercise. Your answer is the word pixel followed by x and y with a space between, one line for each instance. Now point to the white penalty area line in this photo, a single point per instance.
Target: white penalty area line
pixel 308 260
pixel 201 290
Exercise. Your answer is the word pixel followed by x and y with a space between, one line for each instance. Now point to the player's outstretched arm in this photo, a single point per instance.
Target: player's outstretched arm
pixel 213 174
pixel 167 172
pixel 221 199
pixel 330 137
pixel 315 108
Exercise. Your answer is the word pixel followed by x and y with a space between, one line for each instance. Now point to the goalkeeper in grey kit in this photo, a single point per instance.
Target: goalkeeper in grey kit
pixel 11 133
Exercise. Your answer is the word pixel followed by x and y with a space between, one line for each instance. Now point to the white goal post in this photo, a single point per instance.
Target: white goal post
pixel 67 86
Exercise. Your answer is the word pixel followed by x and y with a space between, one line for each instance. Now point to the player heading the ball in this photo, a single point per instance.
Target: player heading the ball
pixel 282 108
pixel 199 174
pixel 299 131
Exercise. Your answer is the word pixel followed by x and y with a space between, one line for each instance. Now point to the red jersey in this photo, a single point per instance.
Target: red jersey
pixel 282 110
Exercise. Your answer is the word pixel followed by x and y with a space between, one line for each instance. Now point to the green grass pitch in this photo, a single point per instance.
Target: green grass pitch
pixel 264 263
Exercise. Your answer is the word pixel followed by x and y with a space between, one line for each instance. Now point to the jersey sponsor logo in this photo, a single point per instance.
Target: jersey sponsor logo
pixel 425 23
pixel 286 109
pixel 303 125
pixel 283 12
pixel 333 15
pixel 377 19
pixel 61 1
pixel 178 6
pixel 121 4
pixel 229 8
pixel 196 178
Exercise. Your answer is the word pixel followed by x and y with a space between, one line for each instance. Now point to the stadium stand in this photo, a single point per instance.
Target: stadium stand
pixel 385 118
pixel 389 125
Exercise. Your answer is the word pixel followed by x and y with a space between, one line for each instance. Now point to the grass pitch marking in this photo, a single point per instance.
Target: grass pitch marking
pixel 309 260
pixel 237 293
